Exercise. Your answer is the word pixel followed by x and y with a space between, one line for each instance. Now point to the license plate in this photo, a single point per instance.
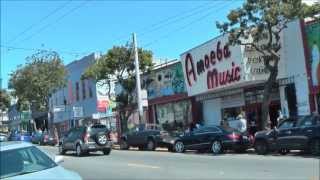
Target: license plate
pixel 91 147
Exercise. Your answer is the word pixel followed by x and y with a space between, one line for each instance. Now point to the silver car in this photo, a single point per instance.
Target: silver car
pixel 3 137
pixel 21 160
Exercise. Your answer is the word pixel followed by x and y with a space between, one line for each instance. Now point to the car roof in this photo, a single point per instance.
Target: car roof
pixel 10 145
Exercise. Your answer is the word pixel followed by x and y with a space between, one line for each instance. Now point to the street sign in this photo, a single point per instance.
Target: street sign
pixel 58 108
pixel 77 112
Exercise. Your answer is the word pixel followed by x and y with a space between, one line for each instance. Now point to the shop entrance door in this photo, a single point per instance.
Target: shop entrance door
pixel 212 111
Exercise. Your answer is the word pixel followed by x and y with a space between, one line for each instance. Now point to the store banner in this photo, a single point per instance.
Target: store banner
pixel 216 65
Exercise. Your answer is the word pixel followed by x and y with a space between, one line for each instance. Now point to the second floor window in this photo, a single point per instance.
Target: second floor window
pixel 90 89
pixel 83 86
pixel 77 91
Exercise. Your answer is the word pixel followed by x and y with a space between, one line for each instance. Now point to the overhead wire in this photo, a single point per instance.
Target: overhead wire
pixel 56 21
pixel 39 22
pixel 186 25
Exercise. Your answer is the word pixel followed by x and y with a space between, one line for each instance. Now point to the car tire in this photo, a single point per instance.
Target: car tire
pixel 283 151
pixel 79 151
pixel 151 146
pixel 124 145
pixel 261 147
pixel 101 139
pixel 106 151
pixel 315 147
pixel 179 147
pixel 216 147
pixel 61 150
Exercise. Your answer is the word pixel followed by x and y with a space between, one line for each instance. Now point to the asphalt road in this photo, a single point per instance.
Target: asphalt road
pixel 140 165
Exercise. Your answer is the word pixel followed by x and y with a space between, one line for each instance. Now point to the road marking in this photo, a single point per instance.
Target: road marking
pixel 143 166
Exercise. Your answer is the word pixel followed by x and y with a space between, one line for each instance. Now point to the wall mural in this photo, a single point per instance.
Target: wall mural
pixel 165 82
pixel 174 116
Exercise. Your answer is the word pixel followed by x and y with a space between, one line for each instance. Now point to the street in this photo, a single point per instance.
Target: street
pixel 161 164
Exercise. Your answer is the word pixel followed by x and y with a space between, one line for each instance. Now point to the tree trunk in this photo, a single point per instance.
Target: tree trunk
pixel 124 122
pixel 267 97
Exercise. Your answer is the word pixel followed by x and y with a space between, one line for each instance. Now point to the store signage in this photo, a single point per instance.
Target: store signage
pixel 77 112
pixel 212 66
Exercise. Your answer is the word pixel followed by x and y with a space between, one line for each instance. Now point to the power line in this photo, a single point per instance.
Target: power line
pixel 41 49
pixel 186 25
pixel 56 21
pixel 39 22
pixel 143 30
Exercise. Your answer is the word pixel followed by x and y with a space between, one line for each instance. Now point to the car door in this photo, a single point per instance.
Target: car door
pixel 206 135
pixel 306 129
pixel 68 139
pixel 284 134
pixel 132 137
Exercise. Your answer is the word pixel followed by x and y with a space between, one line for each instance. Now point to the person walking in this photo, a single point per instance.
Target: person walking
pixel 242 125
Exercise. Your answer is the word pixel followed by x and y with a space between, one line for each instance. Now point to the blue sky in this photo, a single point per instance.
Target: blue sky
pixel 76 28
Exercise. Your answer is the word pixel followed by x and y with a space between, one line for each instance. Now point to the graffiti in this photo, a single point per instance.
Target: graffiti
pixel 165 82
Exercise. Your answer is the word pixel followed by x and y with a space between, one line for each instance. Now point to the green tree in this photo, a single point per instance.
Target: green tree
pixel 4 100
pixel 258 24
pixel 33 82
pixel 118 65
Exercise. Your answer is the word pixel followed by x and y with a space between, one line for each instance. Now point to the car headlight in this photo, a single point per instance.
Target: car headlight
pixel 172 141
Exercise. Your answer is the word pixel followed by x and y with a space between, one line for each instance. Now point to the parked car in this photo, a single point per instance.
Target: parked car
pixel 3 137
pixel 86 139
pixel 145 138
pixel 21 160
pixel 20 136
pixel 44 139
pixel 302 133
pixel 213 138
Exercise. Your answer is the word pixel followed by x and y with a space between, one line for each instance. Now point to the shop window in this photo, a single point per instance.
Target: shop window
pixel 77 91
pixel 90 90
pixel 83 86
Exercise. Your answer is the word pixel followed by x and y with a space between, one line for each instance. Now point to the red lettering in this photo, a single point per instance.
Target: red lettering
pixel 219 51
pixel 212 58
pixel 206 61
pixel 216 79
pixel 191 71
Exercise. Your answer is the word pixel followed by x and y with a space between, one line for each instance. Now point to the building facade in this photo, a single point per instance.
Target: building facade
pixel 82 101
pixel 228 80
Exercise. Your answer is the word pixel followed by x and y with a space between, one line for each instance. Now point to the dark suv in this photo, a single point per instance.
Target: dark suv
pixel 86 139
pixel 302 133
pixel 144 137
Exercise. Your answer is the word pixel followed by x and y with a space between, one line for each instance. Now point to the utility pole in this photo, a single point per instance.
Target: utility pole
pixel 138 84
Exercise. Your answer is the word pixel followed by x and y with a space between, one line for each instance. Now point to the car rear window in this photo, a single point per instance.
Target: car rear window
pixel 97 128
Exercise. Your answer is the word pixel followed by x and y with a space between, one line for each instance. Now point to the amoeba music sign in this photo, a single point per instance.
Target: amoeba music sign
pixel 215 65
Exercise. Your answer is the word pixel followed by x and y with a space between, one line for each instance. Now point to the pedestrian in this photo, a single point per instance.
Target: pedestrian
pixel 242 124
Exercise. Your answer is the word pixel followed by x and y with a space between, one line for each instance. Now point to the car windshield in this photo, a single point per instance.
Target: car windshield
pixel 23 161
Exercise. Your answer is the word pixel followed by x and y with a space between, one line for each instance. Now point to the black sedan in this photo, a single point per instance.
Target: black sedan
pixel 213 138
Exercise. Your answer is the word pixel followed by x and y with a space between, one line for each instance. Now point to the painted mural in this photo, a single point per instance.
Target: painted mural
pixel 174 116
pixel 313 40
pixel 165 82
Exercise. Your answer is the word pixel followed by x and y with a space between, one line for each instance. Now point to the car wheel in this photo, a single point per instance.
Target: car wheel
pixel 216 147
pixel 284 151
pixel 261 147
pixel 61 150
pixel 124 145
pixel 78 150
pixel 179 147
pixel 101 139
pixel 151 145
pixel 315 147
pixel 106 151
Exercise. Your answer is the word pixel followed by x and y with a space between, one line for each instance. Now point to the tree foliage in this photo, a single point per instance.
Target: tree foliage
pixel 34 81
pixel 4 100
pixel 117 65
pixel 258 24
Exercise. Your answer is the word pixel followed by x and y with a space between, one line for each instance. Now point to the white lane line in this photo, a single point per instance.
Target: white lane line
pixel 143 166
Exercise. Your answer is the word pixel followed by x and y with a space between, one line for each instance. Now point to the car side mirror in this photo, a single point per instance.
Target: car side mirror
pixel 58 159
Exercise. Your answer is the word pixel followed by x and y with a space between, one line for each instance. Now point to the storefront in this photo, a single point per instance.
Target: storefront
pixel 227 81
